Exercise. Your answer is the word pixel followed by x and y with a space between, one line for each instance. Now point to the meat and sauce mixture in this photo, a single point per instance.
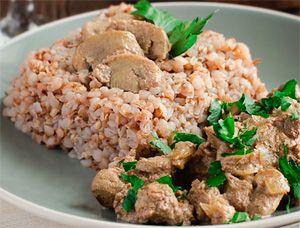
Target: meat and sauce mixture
pixel 244 167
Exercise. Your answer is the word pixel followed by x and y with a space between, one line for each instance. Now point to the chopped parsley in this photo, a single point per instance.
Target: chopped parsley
pixel 215 112
pixel 242 151
pixel 256 217
pixel 161 146
pixel 181 35
pixel 291 171
pixel 295 115
pixel 216 174
pixel 247 105
pixel 239 217
pixel 129 165
pixel 280 98
pixel 168 180
pixel 136 184
pixel 224 129
pixel 245 138
pixel 186 137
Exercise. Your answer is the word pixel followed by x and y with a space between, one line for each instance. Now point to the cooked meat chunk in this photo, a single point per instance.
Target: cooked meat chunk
pixel 187 211
pixel 200 162
pixel 271 181
pixel 153 168
pixel 182 153
pixel 270 188
pixel 158 204
pixel 155 203
pixel 242 165
pixel 152 39
pixel 106 184
pixel 274 131
pixel 238 192
pixel 133 72
pixel 96 48
pixel 208 201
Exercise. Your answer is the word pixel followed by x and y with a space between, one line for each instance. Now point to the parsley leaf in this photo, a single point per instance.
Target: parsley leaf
pixel 256 217
pixel 161 146
pixel 182 36
pixel 136 184
pixel 224 129
pixel 295 115
pixel 291 171
pixel 156 16
pixel 129 200
pixel 242 151
pixel 247 105
pixel 186 137
pixel 239 217
pixel 217 176
pixel 129 165
pixel 168 180
pixel 289 89
pixel 246 138
pixel 215 112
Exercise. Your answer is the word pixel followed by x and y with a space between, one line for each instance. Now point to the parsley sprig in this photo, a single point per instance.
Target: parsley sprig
pixel 181 35
pixel 136 184
pixel 295 115
pixel 243 141
pixel 129 165
pixel 280 98
pixel 216 174
pixel 168 180
pixel 242 217
pixel 186 137
pixel 291 171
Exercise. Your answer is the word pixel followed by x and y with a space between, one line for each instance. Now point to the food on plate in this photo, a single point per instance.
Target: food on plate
pixel 241 169
pixel 173 117
pixel 75 94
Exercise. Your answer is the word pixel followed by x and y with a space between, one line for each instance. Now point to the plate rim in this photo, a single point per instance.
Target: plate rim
pixel 71 219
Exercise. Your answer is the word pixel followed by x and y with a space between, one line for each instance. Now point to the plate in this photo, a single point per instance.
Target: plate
pixel 50 184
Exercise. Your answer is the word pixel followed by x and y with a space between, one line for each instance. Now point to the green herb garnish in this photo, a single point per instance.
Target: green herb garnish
pixel 129 165
pixel 239 217
pixel 224 129
pixel 136 184
pixel 295 115
pixel 245 138
pixel 161 146
pixel 168 180
pixel 242 151
pixel 215 112
pixel 181 35
pixel 247 105
pixel 256 217
pixel 186 137
pixel 291 171
pixel 160 18
pixel 217 176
